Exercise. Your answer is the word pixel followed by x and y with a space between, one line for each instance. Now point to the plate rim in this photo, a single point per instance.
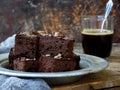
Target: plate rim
pixel 3 56
pixel 95 61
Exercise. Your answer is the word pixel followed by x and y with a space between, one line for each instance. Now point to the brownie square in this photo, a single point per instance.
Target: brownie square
pixel 51 64
pixel 26 45
pixel 54 45
pixel 25 64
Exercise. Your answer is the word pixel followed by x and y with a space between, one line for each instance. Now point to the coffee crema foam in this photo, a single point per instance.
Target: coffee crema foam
pixel 96 32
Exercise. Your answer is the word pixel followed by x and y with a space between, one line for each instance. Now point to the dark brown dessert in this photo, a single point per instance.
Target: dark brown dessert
pixel 55 45
pixel 25 64
pixel 26 44
pixel 34 52
pixel 55 64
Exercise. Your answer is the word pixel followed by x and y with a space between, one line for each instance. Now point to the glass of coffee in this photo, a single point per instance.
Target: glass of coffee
pixel 95 39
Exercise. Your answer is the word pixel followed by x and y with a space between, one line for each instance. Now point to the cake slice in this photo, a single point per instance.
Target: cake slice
pixel 26 44
pixel 55 45
pixel 25 64
pixel 58 63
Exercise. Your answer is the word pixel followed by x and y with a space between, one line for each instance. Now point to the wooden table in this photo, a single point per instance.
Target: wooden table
pixel 108 79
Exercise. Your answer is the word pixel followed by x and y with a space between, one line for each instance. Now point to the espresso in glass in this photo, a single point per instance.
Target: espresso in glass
pixel 96 42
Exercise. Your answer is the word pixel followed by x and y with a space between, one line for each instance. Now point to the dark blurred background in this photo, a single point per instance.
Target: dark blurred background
pixel 52 15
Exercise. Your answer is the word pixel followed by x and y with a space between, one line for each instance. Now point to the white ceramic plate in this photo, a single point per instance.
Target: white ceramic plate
pixel 89 64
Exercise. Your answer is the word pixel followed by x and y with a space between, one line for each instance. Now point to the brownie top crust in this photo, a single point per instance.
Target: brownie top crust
pixel 28 34
pixel 55 34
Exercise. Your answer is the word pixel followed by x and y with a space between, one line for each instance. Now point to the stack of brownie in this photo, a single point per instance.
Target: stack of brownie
pixel 34 52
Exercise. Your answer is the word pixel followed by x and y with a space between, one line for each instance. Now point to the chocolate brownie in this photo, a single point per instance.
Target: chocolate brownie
pixel 25 64
pixel 49 64
pixel 54 45
pixel 59 64
pixel 26 44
